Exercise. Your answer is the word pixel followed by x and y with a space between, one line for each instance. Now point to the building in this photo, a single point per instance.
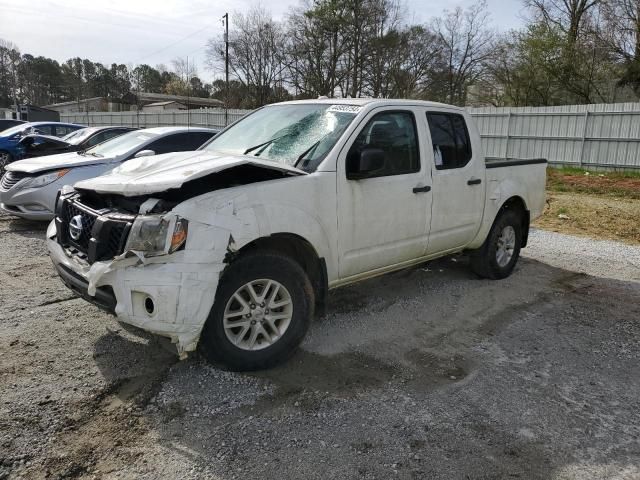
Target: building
pixel 131 101
pixel 95 104
pixel 32 113
pixel 158 107
pixel 145 98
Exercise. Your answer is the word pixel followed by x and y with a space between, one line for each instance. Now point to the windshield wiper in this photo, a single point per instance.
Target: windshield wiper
pixel 309 150
pixel 264 144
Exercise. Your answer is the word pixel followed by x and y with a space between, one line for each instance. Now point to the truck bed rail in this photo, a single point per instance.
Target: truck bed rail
pixel 495 162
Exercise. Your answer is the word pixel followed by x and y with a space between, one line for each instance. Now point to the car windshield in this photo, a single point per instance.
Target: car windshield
pixel 74 138
pixel 17 129
pixel 297 135
pixel 120 145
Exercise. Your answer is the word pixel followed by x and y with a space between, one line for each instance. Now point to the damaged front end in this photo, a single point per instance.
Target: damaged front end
pixel 153 256
pixel 99 252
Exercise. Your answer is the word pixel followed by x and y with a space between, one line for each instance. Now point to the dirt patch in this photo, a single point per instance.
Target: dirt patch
pixel 610 184
pixel 594 216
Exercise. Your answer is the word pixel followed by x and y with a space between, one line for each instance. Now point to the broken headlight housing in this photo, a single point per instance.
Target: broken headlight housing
pixel 157 234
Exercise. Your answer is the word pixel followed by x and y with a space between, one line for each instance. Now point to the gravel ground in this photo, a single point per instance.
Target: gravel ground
pixel 600 258
pixel 425 373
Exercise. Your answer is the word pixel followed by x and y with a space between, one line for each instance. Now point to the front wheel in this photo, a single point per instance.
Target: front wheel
pixel 499 254
pixel 261 314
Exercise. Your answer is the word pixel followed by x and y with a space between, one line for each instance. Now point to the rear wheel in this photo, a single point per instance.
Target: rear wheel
pixel 262 312
pixel 499 254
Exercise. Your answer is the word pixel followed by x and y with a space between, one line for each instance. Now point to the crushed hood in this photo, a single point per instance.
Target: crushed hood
pixel 158 173
pixel 53 162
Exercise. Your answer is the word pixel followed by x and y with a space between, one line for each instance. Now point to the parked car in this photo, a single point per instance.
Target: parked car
pixel 41 145
pixel 9 122
pixel 235 246
pixel 10 138
pixel 29 187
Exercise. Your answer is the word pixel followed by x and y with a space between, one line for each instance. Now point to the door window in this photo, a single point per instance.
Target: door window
pixel 450 140
pixel 43 129
pixel 96 139
pixel 62 130
pixel 394 133
pixel 179 142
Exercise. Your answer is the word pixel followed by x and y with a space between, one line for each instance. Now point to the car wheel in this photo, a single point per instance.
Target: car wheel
pixel 499 254
pixel 5 159
pixel 261 313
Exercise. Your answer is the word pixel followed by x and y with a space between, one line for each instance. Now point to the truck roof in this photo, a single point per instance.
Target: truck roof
pixel 371 101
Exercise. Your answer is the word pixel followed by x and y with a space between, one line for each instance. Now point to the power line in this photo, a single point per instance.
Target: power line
pixel 171 44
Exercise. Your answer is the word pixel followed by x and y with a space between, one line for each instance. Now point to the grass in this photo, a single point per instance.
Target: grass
pixel 610 184
pixel 595 204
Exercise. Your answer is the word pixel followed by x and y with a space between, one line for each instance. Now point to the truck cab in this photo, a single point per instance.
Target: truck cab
pixel 233 247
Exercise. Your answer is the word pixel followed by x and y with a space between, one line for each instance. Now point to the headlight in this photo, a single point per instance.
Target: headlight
pixel 157 235
pixel 46 179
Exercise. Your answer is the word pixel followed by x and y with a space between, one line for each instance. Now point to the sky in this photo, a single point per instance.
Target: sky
pixel 153 32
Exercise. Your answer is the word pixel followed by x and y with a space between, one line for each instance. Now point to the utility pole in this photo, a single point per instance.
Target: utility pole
pixel 188 95
pixel 226 67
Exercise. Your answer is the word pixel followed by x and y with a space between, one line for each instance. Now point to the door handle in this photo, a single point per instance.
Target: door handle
pixel 426 188
pixel 474 181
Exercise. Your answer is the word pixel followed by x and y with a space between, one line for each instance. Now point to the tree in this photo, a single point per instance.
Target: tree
pixel 570 16
pixel 9 60
pixel 256 56
pixel 467 42
pixel 145 78
pixel 621 33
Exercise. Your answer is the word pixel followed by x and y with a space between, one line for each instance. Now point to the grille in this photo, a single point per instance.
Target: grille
pixel 9 179
pixel 103 235
pixel 88 221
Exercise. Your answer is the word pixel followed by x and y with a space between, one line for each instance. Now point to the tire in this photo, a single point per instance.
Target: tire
pixel 488 261
pixel 5 159
pixel 280 330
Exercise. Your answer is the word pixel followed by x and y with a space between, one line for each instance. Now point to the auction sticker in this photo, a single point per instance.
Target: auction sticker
pixel 344 108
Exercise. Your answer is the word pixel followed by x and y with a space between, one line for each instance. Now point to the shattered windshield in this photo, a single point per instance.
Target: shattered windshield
pixel 297 135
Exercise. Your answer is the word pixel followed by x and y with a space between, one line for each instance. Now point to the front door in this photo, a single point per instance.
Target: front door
pixel 384 217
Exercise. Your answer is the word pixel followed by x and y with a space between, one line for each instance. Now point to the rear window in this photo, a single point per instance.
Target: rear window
pixel 450 140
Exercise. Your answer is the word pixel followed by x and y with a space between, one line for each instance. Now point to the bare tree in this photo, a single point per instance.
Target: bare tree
pixel 256 54
pixel 316 48
pixel 568 15
pixel 621 33
pixel 466 40
pixel 9 61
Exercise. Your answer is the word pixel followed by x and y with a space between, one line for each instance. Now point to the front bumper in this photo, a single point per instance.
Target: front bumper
pixel 181 293
pixel 104 296
pixel 27 212
pixel 30 203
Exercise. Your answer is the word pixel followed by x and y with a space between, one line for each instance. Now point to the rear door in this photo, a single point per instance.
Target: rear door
pixel 458 176
pixel 383 219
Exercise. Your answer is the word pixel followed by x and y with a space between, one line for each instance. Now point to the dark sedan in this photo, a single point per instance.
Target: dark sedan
pixel 40 145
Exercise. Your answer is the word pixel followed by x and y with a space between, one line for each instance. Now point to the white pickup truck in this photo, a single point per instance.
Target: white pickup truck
pixel 233 247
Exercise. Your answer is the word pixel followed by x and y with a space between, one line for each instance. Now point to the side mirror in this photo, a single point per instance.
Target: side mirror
pixel 360 164
pixel 144 153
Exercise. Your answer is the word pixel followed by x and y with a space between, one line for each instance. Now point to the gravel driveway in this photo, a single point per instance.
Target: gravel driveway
pixel 425 373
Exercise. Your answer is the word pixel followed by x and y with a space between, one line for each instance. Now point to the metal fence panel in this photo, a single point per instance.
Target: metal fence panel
pixel 206 117
pixel 602 135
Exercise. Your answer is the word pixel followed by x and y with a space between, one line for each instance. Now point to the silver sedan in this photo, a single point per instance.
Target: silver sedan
pixel 29 187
